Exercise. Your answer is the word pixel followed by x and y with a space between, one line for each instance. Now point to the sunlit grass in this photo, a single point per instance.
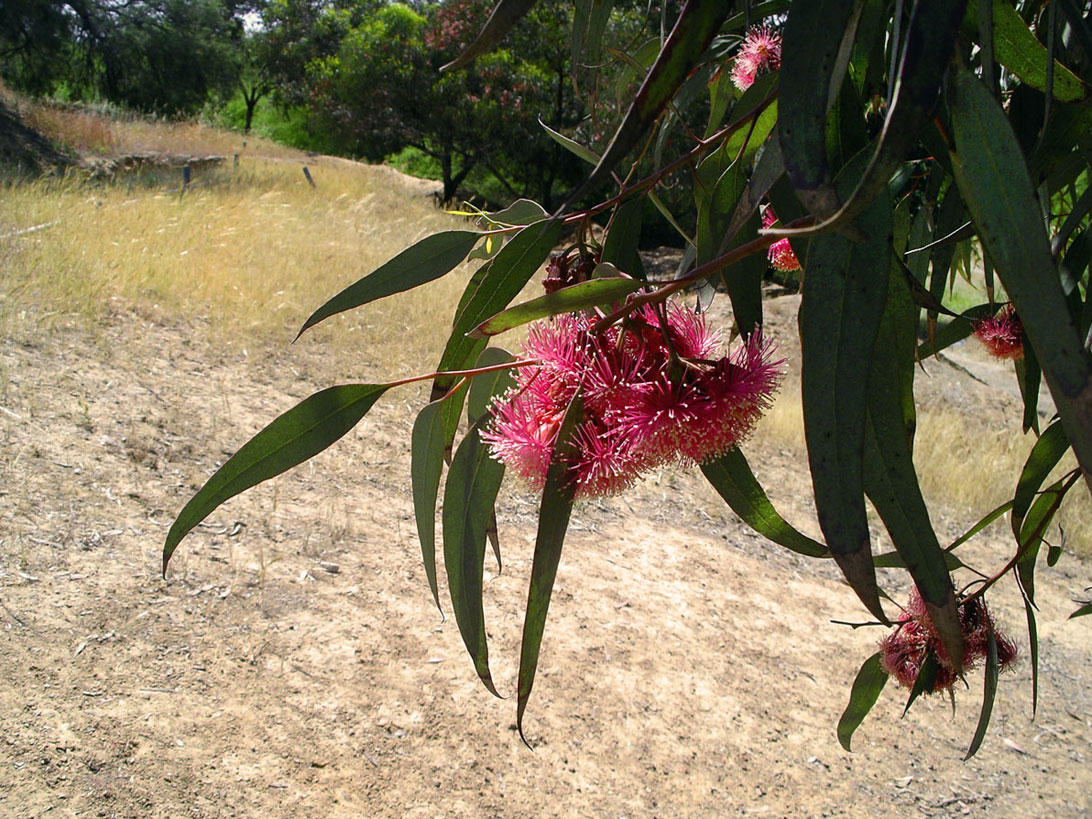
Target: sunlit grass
pixel 250 252
pixel 254 251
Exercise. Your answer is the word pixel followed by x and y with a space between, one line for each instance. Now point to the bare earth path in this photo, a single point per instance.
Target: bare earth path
pixel 292 664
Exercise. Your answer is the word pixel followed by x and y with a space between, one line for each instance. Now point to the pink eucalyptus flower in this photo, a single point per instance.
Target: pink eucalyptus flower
pixel 905 650
pixel 655 390
pixel 1003 334
pixel 759 53
pixel 780 253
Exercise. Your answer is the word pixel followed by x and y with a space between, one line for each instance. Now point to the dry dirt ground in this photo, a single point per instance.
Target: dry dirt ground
pixel 292 663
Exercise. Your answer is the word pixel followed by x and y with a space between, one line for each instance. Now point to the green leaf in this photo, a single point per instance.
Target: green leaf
pixel 620 247
pixel 571 145
pixel 1019 50
pixel 925 56
pixel 521 212
pixel 866 690
pixel 978 527
pixel 893 560
pixel 485 387
pixel 590 18
pixel 890 479
pixel 694 30
pixel 1082 611
pixel 743 280
pixel 1029 376
pixel 731 476
pixel 426 467
pixel 553 521
pixel 811 69
pixel 1030 537
pixel 499 282
pixel 505 15
pixel 989 691
pixel 769 168
pixel 715 211
pixel 429 259
pixel 925 681
pixel 473 480
pixel 844 293
pixel 569 299
pixel 1044 456
pixel 297 435
pixel 989 167
pixel 1033 644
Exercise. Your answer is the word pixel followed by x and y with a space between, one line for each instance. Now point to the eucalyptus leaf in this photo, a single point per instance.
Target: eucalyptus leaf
pixel 290 439
pixel 866 690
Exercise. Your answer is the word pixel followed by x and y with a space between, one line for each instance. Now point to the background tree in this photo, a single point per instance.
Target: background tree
pixel 158 56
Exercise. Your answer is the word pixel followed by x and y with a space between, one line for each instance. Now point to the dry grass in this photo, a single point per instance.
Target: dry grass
pixel 87 131
pixel 251 253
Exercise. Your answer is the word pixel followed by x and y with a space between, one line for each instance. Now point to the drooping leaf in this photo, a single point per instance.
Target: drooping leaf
pixel 992 176
pixel 924 682
pixel 295 436
pixel 769 168
pixel 842 304
pixel 553 521
pixel 812 48
pixel 665 211
pixel 698 22
pixel 715 211
pixel 1044 456
pixel 743 280
pixel 580 296
pixel 866 690
pixel 978 527
pixel 473 480
pixel 505 15
pixel 501 281
pixel 620 247
pixel 571 145
pixel 890 479
pixel 429 259
pixel 1029 376
pixel 1082 611
pixel 731 476
pixel 590 18
pixel 426 467
pixel 483 389
pixel 925 55
pixel 989 691
pixel 1033 648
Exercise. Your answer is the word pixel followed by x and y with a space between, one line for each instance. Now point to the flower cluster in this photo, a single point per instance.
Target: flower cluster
pixel 905 650
pixel 760 52
pixel 780 253
pixel 1003 334
pixel 654 390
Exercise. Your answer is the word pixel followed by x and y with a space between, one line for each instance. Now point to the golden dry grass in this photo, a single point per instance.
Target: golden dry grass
pixel 252 250
pixel 85 131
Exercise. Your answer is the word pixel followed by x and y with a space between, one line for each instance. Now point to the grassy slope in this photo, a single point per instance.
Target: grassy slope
pixel 249 252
